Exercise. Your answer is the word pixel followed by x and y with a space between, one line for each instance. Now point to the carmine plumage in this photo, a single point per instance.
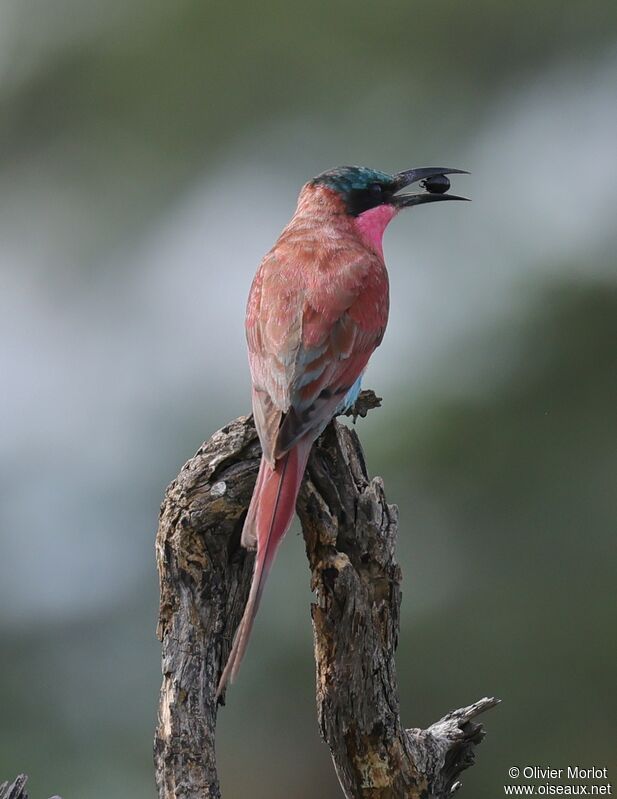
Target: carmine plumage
pixel 317 309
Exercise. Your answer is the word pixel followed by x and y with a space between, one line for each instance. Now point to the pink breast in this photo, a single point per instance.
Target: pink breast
pixel 372 223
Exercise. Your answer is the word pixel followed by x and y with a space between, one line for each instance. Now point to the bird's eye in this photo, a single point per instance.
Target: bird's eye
pixel 375 189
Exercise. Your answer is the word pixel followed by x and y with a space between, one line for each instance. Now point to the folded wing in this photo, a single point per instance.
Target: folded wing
pixel 309 342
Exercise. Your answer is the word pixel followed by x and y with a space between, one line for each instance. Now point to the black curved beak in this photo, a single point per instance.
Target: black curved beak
pixel 403 179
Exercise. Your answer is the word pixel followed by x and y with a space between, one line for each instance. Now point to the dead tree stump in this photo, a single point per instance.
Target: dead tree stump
pixel 350 533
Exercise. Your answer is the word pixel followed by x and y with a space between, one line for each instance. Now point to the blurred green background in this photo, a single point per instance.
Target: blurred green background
pixel 150 153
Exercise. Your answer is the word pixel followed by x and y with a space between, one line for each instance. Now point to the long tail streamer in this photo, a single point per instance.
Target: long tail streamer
pixel 269 517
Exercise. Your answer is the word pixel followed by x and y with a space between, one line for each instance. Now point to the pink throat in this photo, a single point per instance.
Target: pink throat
pixel 371 225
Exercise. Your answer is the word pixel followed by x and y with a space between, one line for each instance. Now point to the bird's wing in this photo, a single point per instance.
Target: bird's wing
pixel 310 334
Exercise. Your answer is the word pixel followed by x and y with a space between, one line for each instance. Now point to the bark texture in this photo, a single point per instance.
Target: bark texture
pixel 204 580
pixel 350 533
pixel 16 789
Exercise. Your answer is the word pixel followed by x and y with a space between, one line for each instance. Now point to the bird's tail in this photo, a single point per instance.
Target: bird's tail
pixel 269 517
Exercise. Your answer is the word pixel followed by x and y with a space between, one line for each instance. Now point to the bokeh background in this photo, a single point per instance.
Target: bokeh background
pixel 150 153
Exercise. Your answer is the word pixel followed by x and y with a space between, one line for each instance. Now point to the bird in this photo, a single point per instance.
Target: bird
pixel 317 310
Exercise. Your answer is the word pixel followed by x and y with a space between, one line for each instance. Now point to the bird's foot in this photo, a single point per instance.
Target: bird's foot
pixel 367 400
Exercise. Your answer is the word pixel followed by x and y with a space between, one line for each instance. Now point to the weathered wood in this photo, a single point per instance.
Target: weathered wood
pixel 204 581
pixel 16 789
pixel 350 533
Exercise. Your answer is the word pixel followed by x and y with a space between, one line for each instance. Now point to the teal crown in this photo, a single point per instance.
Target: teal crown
pixel 361 188
pixel 345 179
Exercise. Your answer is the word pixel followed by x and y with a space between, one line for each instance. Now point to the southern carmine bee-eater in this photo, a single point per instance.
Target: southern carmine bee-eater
pixel 317 309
